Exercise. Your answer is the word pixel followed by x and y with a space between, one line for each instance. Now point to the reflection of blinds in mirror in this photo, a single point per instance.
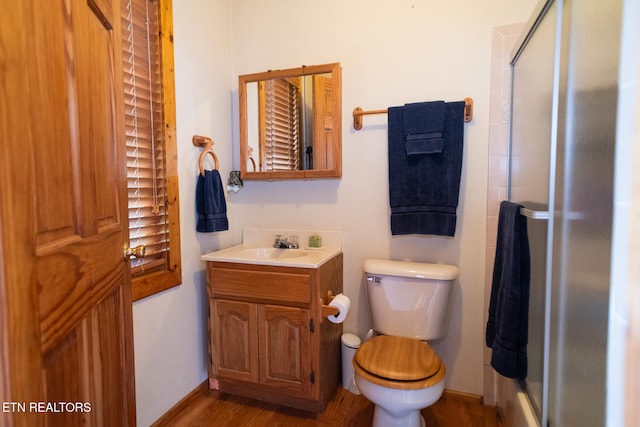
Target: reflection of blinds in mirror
pixel 281 137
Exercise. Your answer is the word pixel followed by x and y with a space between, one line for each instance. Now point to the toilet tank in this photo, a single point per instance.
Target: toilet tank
pixel 410 299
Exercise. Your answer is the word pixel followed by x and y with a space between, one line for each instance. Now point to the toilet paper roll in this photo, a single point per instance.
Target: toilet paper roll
pixel 343 303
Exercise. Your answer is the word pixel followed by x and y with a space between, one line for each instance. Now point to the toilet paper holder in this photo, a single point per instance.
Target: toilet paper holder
pixel 329 310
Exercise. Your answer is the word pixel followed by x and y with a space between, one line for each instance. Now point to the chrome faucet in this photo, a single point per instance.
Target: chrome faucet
pixel 284 243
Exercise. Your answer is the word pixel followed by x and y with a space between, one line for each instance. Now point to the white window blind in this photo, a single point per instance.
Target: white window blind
pixel 148 221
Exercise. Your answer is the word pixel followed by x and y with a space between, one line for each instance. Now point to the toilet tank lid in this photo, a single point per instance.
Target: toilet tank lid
pixel 418 270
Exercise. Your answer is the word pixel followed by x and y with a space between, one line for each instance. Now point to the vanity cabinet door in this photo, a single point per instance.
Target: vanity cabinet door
pixel 285 355
pixel 234 340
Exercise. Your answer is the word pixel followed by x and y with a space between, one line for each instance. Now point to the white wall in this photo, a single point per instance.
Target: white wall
pixel 170 329
pixel 625 280
pixel 391 53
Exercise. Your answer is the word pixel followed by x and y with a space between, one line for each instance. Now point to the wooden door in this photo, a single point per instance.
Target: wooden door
pixel 285 352
pixel 66 341
pixel 324 106
pixel 234 340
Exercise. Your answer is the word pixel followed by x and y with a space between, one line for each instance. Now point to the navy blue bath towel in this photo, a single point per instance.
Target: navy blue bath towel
pixel 508 323
pixel 210 203
pixel 423 189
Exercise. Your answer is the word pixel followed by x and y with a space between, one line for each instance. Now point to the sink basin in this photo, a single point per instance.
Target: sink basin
pixel 271 253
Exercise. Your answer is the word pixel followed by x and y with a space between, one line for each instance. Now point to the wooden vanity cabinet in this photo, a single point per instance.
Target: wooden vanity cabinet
pixel 268 339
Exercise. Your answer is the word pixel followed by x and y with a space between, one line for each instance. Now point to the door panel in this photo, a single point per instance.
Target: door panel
pixel 70 286
pixel 96 119
pixel 82 368
pixel 63 384
pixel 285 355
pixel 66 295
pixel 50 81
pixel 234 340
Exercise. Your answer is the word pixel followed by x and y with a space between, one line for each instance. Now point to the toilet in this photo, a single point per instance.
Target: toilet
pixel 410 304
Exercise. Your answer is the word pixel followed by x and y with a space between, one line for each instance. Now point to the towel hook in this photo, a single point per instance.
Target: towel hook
pixel 207 143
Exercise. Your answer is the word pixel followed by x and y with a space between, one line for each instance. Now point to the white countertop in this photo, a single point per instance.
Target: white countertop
pixel 257 248
pixel 304 257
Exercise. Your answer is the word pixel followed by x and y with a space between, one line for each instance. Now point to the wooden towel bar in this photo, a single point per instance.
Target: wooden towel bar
pixel 358 113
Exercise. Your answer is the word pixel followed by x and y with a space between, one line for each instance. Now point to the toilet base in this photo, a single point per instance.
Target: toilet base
pixel 398 407
pixel 382 418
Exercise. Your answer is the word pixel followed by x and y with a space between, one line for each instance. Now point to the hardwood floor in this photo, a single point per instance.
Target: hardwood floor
pixel 213 408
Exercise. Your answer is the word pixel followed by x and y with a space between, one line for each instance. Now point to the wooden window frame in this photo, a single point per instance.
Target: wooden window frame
pixel 158 280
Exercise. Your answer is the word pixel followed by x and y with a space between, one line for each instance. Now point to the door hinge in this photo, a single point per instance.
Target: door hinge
pixel 312 377
pixel 312 325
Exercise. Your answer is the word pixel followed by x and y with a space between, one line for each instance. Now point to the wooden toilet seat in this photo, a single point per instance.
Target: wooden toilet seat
pixel 400 363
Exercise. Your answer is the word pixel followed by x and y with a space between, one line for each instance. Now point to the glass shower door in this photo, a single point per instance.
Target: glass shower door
pixel 584 212
pixel 532 130
pixel 564 99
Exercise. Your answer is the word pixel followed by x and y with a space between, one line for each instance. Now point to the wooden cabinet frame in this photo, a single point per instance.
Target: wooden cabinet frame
pixel 268 338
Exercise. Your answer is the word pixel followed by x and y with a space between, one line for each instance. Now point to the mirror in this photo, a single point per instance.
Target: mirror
pixel 291 123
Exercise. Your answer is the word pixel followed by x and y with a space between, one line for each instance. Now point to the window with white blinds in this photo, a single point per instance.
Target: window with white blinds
pixel 281 139
pixel 146 139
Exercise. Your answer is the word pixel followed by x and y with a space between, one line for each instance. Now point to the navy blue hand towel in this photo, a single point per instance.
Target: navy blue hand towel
pixel 420 144
pixel 508 323
pixel 424 189
pixel 210 203
pixel 424 127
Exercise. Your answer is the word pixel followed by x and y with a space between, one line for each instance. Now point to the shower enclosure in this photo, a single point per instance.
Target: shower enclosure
pixel 562 144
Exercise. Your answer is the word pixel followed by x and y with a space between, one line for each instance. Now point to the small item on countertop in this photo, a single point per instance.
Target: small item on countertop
pixel 315 241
